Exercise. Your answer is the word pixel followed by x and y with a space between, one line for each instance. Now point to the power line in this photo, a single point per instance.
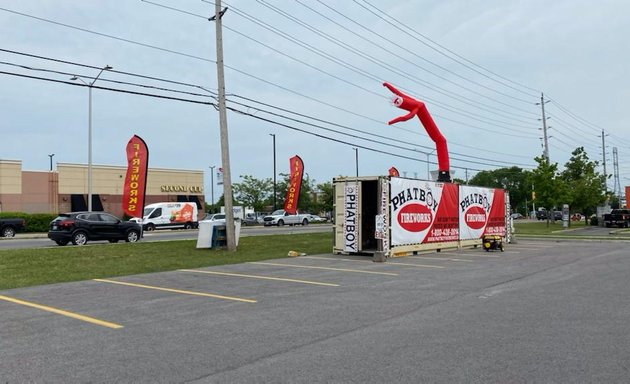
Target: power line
pixel 380 63
pixel 470 115
pixel 371 30
pixel 406 30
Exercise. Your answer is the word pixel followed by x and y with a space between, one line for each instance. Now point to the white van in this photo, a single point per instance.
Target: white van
pixel 169 216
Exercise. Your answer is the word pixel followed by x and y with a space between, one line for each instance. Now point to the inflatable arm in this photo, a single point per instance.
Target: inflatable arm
pixel 417 108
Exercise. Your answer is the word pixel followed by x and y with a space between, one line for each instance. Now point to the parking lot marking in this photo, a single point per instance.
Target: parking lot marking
pixel 440 258
pixel 177 291
pixel 260 277
pixel 325 268
pixel 63 313
pixel 369 261
pixel 473 254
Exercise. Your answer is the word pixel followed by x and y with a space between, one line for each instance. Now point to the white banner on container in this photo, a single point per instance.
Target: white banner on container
pixel 350 217
pixel 478 214
pixel 413 209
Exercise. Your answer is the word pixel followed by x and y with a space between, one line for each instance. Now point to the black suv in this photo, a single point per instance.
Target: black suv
pixel 79 227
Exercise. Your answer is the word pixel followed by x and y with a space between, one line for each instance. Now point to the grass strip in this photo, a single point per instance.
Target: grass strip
pixel 28 267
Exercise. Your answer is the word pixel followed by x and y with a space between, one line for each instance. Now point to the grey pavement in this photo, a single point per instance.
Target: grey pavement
pixel 543 311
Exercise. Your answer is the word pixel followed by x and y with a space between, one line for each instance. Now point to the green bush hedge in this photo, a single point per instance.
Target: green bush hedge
pixel 35 222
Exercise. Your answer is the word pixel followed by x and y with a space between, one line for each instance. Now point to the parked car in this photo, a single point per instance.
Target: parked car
pixel 250 219
pixel 617 217
pixel 8 227
pixel 316 219
pixel 214 217
pixel 80 227
pixel 280 217
pixel 516 216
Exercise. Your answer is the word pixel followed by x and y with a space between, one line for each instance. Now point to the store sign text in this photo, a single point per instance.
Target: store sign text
pixel 181 188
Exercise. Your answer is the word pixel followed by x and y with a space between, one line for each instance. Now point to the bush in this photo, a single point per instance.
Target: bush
pixel 594 220
pixel 35 222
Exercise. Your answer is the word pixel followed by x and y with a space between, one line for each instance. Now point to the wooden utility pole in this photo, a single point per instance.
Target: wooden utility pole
pixel 225 146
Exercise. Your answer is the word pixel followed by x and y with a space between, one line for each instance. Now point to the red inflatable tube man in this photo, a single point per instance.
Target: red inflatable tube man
pixel 417 108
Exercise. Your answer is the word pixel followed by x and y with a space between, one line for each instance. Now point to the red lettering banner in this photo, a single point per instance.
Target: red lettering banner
pixel 296 167
pixel 136 179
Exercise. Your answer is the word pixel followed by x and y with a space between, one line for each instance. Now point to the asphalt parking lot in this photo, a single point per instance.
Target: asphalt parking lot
pixel 542 311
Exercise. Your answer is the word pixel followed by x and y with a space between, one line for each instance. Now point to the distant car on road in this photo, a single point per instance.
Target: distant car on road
pixel 79 227
pixel 316 219
pixel 214 217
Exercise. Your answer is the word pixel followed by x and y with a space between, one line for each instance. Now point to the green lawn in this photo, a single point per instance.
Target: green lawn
pixel 28 267
pixel 541 227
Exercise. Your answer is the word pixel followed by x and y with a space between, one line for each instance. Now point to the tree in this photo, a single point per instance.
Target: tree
pixel 514 180
pixel 253 192
pixel 325 197
pixel 551 190
pixel 586 186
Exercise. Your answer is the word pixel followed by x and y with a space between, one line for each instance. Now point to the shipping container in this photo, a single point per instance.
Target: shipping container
pixel 386 216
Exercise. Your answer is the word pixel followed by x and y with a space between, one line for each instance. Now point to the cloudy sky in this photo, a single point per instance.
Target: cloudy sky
pixel 310 73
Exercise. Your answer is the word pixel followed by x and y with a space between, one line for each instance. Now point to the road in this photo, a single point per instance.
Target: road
pixel 39 240
pixel 542 311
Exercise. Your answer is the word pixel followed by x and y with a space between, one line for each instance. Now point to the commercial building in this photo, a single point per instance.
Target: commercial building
pixel 65 189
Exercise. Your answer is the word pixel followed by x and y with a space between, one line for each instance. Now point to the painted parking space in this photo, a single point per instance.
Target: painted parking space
pixel 61 312
pixel 389 263
pixel 284 279
pixel 179 291
pixel 288 265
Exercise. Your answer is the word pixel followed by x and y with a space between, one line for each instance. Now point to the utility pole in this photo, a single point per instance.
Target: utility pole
pixel 616 184
pixel 356 160
pixel 604 163
pixel 225 147
pixel 274 169
pixel 544 122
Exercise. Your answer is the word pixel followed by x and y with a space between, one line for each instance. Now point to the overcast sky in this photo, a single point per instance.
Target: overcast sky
pixel 310 72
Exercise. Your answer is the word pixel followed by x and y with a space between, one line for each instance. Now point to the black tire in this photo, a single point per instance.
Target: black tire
pixel 61 243
pixel 150 227
pixel 280 223
pixel 132 236
pixel 243 223
pixel 607 225
pixel 113 241
pixel 188 226
pixel 79 238
pixel 304 222
pixel 8 232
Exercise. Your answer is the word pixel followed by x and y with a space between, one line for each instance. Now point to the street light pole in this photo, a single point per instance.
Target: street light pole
pixel 356 159
pixel 51 156
pixel 90 85
pixel 274 170
pixel 212 184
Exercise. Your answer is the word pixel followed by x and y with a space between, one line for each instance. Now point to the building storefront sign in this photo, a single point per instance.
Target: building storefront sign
pixel 181 188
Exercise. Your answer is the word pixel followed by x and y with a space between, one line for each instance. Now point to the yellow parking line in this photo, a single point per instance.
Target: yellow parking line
pixel 63 313
pixel 260 277
pixel 369 261
pixel 325 268
pixel 177 291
